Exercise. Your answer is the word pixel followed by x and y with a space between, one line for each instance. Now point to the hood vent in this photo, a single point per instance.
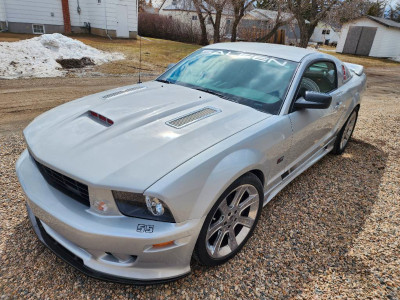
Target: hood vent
pixel 193 117
pixel 126 91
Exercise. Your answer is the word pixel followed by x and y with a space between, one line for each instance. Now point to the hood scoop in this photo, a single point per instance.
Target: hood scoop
pixel 193 117
pixel 100 118
pixel 122 92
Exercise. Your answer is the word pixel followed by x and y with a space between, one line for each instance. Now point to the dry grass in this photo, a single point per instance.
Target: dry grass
pixel 366 61
pixel 156 53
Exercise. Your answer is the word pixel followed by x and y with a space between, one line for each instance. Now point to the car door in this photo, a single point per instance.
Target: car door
pixel 312 128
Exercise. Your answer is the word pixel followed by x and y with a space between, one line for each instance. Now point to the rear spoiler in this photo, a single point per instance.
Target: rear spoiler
pixel 356 69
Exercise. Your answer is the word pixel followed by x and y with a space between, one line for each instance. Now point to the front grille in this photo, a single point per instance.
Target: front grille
pixel 68 186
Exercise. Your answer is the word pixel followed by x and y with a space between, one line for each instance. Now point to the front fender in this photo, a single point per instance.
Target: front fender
pixel 192 189
pixel 223 175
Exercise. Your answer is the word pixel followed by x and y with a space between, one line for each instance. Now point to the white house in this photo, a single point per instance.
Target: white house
pixel 325 34
pixel 371 36
pixel 115 18
pixel 185 12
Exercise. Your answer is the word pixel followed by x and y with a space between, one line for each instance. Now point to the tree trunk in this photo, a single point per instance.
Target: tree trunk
pixel 217 24
pixel 306 31
pixel 202 21
pixel 234 29
pixel 204 38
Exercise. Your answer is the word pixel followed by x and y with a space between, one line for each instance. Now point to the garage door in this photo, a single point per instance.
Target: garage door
pixel 359 40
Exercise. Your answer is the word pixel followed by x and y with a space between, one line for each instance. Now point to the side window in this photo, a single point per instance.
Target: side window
pixel 319 77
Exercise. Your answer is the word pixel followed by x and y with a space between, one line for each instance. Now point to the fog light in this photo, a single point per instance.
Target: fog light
pixel 154 206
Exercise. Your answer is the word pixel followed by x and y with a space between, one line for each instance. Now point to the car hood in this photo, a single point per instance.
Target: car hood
pixel 139 148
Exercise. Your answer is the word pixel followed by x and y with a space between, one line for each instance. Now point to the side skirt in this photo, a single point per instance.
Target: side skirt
pixel 292 174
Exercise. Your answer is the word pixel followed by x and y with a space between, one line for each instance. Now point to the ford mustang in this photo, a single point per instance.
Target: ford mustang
pixel 129 184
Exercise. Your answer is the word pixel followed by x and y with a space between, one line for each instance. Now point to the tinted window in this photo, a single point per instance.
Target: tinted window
pixel 258 81
pixel 319 77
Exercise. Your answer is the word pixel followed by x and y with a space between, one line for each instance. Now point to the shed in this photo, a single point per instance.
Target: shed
pixel 116 18
pixel 370 36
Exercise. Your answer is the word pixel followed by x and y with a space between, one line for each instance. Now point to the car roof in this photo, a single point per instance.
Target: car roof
pixel 279 51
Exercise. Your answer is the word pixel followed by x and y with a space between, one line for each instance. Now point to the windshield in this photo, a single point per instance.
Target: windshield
pixel 257 81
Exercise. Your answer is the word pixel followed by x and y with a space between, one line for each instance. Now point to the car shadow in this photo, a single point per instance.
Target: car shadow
pixel 307 228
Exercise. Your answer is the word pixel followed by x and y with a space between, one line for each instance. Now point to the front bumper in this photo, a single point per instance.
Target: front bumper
pixel 105 247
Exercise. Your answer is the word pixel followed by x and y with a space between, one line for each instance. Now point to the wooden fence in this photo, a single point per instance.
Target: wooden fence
pixel 254 33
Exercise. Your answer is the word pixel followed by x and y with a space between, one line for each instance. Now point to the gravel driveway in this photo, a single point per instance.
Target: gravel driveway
pixel 333 232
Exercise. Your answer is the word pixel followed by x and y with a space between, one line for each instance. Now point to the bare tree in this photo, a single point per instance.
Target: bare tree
pixel 202 20
pixel 281 19
pixel 239 8
pixel 394 12
pixel 308 13
pixel 215 7
pixel 377 8
pixel 346 10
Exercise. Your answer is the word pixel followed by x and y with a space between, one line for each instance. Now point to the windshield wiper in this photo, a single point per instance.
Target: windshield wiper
pixel 164 81
pixel 212 92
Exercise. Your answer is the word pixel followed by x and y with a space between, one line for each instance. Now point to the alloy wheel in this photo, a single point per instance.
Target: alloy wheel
pixel 232 221
pixel 348 130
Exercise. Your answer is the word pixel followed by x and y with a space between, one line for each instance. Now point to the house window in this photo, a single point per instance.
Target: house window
pixel 328 31
pixel 228 22
pixel 194 18
pixel 98 1
pixel 173 2
pixel 38 29
pixel 324 31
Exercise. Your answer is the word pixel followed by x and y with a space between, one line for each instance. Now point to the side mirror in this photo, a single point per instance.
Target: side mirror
pixel 169 66
pixel 313 100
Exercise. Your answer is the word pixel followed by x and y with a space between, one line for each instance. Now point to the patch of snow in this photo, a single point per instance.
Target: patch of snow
pixel 312 48
pixel 37 57
pixel 397 58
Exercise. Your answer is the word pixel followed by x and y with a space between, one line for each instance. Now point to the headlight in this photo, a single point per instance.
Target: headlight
pixel 144 207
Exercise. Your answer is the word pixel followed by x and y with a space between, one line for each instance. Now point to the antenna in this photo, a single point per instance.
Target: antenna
pixel 140 57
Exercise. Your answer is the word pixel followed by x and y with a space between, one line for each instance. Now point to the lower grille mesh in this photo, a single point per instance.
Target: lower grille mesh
pixel 68 186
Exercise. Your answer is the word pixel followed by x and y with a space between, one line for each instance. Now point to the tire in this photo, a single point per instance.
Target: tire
pixel 344 135
pixel 227 226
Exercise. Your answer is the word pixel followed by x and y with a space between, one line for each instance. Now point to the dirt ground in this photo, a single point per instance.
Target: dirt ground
pixel 21 100
pixel 334 232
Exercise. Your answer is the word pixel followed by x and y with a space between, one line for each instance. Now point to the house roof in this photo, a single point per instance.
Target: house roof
pixel 266 15
pixel 385 22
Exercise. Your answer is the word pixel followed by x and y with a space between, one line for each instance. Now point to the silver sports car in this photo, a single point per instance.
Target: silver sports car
pixel 129 184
